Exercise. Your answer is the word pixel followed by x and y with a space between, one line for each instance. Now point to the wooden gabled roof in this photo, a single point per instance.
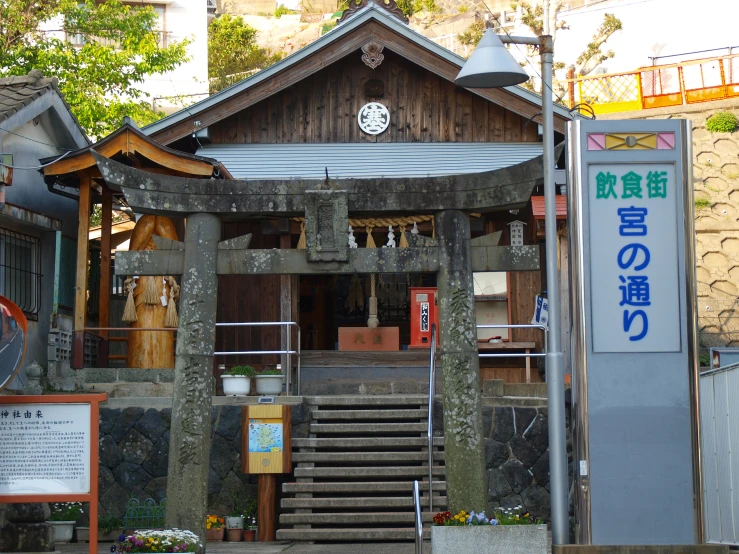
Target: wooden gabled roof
pixel 129 142
pixel 372 22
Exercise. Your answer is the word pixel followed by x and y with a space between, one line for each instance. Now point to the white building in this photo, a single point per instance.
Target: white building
pixel 178 20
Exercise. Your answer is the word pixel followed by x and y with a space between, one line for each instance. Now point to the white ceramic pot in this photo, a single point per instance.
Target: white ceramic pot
pixel 269 385
pixel 62 531
pixel 236 385
pixel 235 522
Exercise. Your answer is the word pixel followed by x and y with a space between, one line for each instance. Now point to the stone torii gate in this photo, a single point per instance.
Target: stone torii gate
pixel 325 205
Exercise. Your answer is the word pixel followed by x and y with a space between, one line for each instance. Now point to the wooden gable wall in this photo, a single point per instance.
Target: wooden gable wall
pixel 423 107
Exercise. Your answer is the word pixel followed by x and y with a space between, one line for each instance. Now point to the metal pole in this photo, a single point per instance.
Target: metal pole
pixel 554 358
pixel 288 359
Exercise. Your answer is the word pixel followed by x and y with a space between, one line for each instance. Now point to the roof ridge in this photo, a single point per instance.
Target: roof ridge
pixel 34 78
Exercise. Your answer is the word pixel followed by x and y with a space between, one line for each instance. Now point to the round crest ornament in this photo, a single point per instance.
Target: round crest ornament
pixel 373 118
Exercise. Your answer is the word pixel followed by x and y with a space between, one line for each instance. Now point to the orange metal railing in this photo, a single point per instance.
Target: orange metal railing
pixel 659 86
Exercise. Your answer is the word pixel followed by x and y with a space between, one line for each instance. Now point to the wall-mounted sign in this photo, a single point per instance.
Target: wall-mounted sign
pixel 266 439
pixel 373 118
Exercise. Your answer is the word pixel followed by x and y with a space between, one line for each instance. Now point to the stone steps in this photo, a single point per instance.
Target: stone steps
pixel 370 414
pixel 367 428
pixel 351 534
pixel 359 486
pixel 361 518
pixel 364 457
pixel 359 472
pixel 366 442
pixel 354 474
pixel 361 502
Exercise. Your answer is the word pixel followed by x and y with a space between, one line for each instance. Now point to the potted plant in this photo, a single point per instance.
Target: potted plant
pixel 63 517
pixel 165 540
pixel 269 382
pixel 235 522
pixel 214 528
pixel 509 531
pixel 109 529
pixel 237 381
pixel 250 520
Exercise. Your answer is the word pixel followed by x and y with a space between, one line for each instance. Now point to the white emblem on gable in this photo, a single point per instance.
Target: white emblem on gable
pixel 373 118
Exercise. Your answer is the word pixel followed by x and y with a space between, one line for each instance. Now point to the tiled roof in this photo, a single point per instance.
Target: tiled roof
pixel 537 206
pixel 17 92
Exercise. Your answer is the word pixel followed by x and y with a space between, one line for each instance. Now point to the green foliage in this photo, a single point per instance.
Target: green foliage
pixel 233 53
pixel 593 55
pixel 271 371
pixel 473 34
pixel 282 10
pixel 328 26
pixel 65 511
pixel 702 203
pixel 722 122
pixel 101 78
pixel 409 7
pixel 704 360
pixel 108 523
pixel 241 370
pixel 463 9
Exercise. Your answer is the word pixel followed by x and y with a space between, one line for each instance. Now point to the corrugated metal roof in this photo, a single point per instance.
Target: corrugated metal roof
pixel 368 160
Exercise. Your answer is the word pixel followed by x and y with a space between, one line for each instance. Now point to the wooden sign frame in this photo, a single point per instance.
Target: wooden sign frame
pixel 252 464
pixel 94 401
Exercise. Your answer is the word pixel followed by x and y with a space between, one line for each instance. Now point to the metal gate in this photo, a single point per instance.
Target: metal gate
pixel 719 412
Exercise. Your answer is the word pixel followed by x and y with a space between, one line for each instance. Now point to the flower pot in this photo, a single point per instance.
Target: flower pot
pixel 214 534
pixel 234 535
pixel 236 385
pixel 490 539
pixel 269 385
pixel 61 531
pixel 234 522
pixel 250 535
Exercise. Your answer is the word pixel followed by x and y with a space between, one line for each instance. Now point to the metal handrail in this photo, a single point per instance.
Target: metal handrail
pixel 419 521
pixel 430 428
pixel 288 351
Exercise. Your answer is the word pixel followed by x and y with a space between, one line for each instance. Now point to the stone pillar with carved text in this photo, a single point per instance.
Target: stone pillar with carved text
pixel 189 443
pixel 466 477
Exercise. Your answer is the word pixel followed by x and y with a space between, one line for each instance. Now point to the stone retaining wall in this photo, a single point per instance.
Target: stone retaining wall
pixel 134 453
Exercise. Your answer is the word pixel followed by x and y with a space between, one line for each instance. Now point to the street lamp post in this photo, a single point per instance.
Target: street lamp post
pixel 492 66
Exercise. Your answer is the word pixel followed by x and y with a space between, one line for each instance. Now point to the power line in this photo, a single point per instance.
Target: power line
pixel 40 166
pixel 34 140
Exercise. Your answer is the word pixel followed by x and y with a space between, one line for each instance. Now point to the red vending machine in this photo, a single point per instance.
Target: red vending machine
pixel 423 314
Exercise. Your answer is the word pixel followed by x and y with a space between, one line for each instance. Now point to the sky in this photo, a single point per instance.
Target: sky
pixel 652 27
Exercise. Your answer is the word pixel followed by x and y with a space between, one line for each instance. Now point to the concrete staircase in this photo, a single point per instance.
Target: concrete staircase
pixel 354 475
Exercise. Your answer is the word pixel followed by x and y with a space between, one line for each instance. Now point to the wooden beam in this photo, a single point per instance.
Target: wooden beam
pixel 130 143
pixel 80 297
pixel 104 306
pixel 286 294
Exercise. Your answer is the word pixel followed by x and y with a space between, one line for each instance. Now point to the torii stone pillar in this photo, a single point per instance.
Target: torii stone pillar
pixel 187 478
pixel 466 477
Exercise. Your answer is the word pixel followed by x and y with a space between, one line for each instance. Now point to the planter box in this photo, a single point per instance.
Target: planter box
pixel 269 385
pixel 62 531
pixel 236 385
pixel 83 535
pixel 490 539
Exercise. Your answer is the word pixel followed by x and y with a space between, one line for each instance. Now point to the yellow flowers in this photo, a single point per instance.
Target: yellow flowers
pixel 213 521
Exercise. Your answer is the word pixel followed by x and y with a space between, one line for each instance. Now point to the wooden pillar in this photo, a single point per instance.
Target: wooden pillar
pixel 80 295
pixel 266 510
pixel 107 221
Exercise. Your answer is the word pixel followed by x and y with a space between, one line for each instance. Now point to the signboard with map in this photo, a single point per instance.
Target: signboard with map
pixel 266 439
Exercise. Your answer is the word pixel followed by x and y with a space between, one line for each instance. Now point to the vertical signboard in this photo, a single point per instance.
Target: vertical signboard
pixel 634 338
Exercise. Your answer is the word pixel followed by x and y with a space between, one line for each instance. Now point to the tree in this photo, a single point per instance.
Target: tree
pixel 233 53
pixel 100 77
pixel 533 17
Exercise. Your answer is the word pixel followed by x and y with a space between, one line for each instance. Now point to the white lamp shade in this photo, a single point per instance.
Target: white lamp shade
pixel 490 66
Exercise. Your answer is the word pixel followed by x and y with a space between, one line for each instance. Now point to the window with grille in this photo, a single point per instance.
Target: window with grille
pixel 20 264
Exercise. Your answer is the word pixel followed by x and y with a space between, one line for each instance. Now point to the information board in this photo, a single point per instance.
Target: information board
pixel 44 448
pixel 265 435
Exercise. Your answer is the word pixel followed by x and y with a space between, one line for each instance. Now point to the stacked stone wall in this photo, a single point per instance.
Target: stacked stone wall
pixel 134 455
